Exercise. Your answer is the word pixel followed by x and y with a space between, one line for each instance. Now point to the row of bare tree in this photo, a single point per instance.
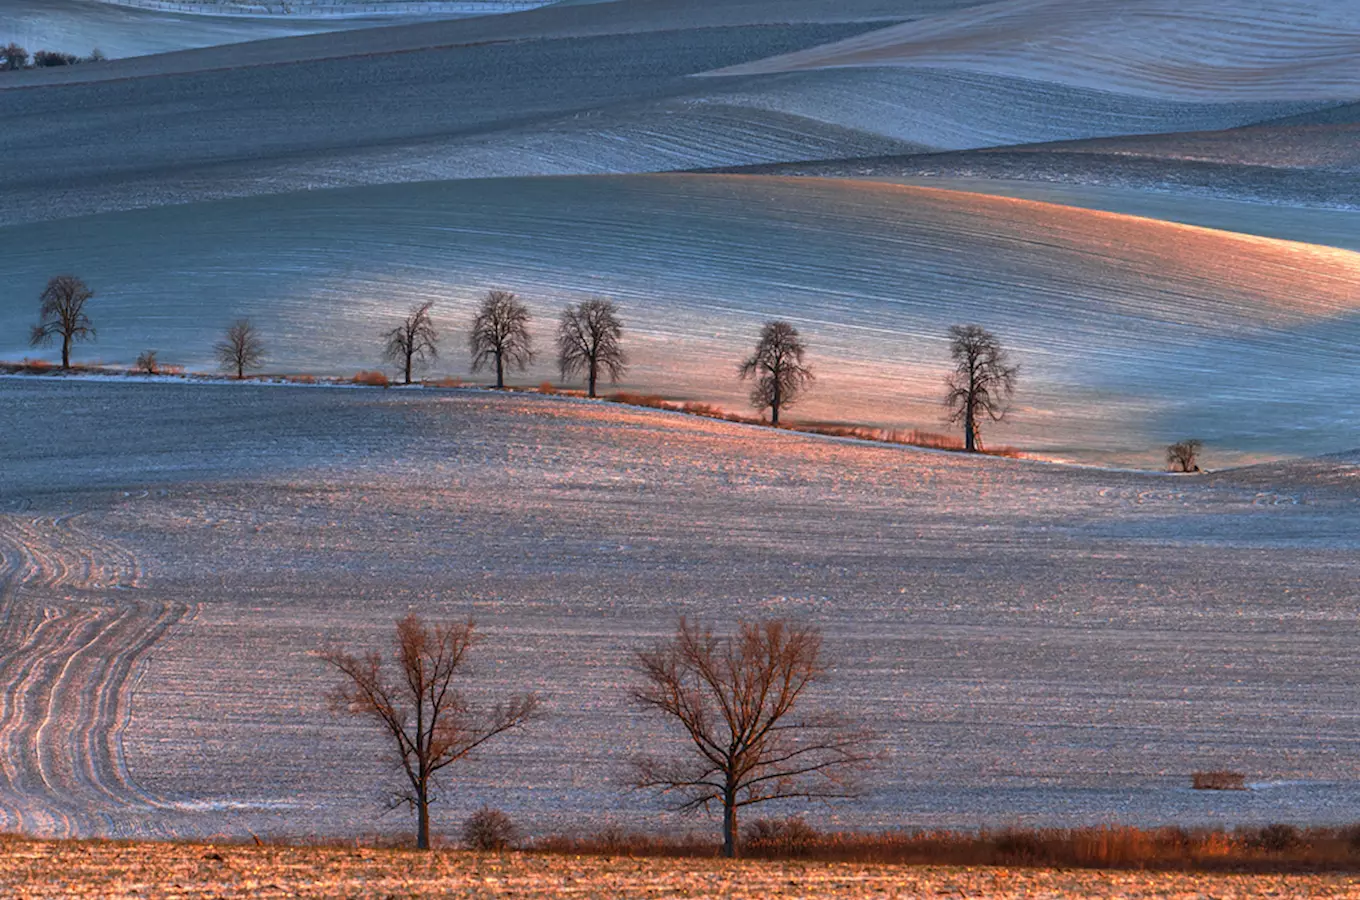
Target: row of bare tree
pixel 589 344
pixel 745 734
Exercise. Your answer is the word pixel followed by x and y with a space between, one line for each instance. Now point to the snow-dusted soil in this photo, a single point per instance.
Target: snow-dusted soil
pixel 79 26
pixel 1167 49
pixel 1131 333
pixel 115 871
pixel 1036 643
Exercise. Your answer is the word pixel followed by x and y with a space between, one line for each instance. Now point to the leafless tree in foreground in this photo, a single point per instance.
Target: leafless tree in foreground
pixel 589 339
pixel 240 348
pixel 982 382
pixel 63 315
pixel 778 368
pixel 734 698
pixel 500 335
pixel 415 340
pixel 1183 456
pixel 430 723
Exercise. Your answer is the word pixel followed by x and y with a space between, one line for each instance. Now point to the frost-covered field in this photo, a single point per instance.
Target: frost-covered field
pixel 121 871
pixel 1132 333
pixel 1036 643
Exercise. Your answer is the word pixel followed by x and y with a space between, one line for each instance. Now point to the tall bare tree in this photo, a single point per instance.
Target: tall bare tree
pixel 589 338
pixel 500 335
pixel 415 340
pixel 777 366
pixel 1183 456
pixel 430 723
pixel 982 383
pixel 734 699
pixel 240 348
pixel 62 315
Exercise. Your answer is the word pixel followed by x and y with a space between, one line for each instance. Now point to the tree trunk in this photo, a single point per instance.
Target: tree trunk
pixel 423 819
pixel 730 826
pixel 500 370
pixel 408 368
pixel 594 370
pixel 969 430
pixel 775 400
pixel 66 351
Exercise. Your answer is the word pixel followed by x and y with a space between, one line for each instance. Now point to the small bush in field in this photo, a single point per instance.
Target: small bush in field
pixel 302 379
pixel 372 379
pixel 791 836
pixel 36 366
pixel 1277 838
pixel 490 830
pixel 1218 781
pixel 547 387
pixel 146 363
pixel 47 58
pixel 445 382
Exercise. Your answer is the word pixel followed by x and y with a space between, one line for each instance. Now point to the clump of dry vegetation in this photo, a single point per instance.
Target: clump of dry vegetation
pixel 371 379
pixel 1221 780
pixel 1272 848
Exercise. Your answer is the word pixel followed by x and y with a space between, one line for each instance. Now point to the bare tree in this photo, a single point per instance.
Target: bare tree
pixel 430 722
pixel 1183 456
pixel 982 383
pixel 777 365
pixel 500 335
pixel 240 348
pixel 63 315
pixel 413 341
pixel 734 699
pixel 147 363
pixel 588 339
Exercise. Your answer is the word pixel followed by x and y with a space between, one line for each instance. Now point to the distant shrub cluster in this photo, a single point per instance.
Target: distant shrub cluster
pixel 14 57
pixel 1218 781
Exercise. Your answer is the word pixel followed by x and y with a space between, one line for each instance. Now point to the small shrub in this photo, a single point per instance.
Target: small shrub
pixel 1019 847
pixel 302 379
pixel 146 363
pixel 49 58
pixel 96 55
pixel 372 379
pixel 36 366
pixel 489 830
pixel 785 837
pixel 547 387
pixel 652 401
pixel 13 56
pixel 1222 780
pixel 1183 456
pixel 1277 838
pixel 445 382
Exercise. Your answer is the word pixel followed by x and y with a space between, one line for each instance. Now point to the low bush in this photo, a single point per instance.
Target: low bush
pixel 301 379
pixel 1221 780
pixel 50 58
pixel 445 382
pixel 146 363
pixel 781 837
pixel 372 379
pixel 489 830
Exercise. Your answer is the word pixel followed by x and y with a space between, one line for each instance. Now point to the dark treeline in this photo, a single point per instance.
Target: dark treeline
pixel 14 57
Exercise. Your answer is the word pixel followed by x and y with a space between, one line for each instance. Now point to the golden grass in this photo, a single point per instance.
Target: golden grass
pixel 119 871
pixel 372 378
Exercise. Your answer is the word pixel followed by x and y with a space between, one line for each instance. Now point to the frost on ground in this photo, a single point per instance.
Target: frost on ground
pixel 1037 644
pixel 1131 333
pixel 121 871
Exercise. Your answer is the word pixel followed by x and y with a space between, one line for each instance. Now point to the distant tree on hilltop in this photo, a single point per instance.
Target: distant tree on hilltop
pixel 413 341
pixel 982 383
pixel 13 56
pixel 500 335
pixel 62 315
pixel 1183 456
pixel 240 349
pixel 777 366
pixel 589 338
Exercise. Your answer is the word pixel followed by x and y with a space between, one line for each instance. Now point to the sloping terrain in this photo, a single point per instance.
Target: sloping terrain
pixel 1037 644
pixel 1131 332
pixel 80 26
